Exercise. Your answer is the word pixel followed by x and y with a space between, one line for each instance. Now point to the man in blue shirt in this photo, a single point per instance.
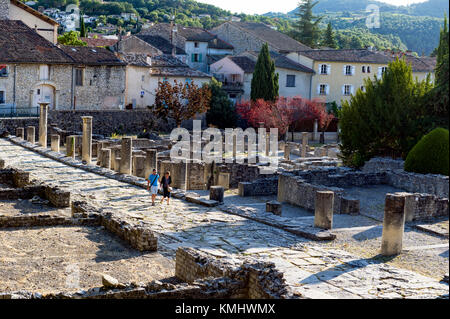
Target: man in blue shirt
pixel 152 185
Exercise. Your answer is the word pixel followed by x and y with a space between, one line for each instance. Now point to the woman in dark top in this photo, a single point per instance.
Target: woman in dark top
pixel 166 180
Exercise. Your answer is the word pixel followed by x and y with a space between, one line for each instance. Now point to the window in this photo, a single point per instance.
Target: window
pixel 383 69
pixel 143 78
pixel 79 77
pixel 349 70
pixel 196 57
pixel 4 71
pixel 368 69
pixel 324 69
pixel 196 45
pixel 347 89
pixel 363 70
pixel 2 97
pixel 188 80
pixel 323 89
pixel 44 72
pixel 363 88
pixel 290 81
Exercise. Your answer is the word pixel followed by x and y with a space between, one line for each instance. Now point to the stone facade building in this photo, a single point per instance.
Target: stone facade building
pixel 250 36
pixel 197 43
pixel 33 70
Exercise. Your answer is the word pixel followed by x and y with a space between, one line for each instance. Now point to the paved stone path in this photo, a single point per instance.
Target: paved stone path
pixel 311 270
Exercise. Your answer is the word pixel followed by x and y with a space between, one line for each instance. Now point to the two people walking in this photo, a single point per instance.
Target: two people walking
pixel 154 183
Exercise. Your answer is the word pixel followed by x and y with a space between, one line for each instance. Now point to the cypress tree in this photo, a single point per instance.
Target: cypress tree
pixel 308 25
pixel 265 80
pixel 83 33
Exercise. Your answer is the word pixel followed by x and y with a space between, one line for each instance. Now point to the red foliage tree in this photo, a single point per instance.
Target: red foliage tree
pixel 284 112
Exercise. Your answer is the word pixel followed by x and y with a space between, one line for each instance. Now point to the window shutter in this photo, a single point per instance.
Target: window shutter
pixel 320 69
pixel 343 90
pixel 380 72
pixel 343 71
pixel 200 57
pixel 328 69
pixel 352 89
pixel 318 89
pixel 193 57
pixel 353 70
pixel 327 89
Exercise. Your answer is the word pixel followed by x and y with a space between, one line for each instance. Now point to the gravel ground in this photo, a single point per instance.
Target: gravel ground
pixel 47 259
pixel 27 207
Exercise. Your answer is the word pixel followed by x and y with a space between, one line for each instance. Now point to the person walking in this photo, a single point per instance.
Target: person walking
pixel 166 180
pixel 152 185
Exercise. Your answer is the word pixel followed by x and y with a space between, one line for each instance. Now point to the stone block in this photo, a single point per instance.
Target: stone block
pixel 274 207
pixel 217 193
pixel 393 225
pixel 350 206
pixel 324 203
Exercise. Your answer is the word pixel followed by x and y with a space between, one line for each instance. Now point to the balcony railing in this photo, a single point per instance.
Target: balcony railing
pixel 8 110
pixel 232 86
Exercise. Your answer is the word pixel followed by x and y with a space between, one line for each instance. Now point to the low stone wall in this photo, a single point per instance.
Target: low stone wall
pixel 297 191
pixel 260 187
pixel 426 206
pixel 24 189
pixel 419 183
pixel 381 164
pixel 262 280
pixel 139 237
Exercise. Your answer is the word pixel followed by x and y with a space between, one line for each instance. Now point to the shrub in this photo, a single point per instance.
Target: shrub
pixel 430 155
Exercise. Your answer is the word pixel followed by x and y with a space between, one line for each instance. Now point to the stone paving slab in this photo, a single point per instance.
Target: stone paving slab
pixel 312 271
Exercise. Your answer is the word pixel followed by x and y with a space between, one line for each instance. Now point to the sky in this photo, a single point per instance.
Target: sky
pixel 263 6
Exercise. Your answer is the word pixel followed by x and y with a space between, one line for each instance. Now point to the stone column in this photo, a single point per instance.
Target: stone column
pixel 410 207
pixel 43 124
pixel 305 136
pixel 55 141
pixel 274 207
pixel 151 162
pixel 106 158
pixel 139 165
pixel 316 129
pixel 234 147
pixel 125 155
pixel 86 146
pixel 216 193
pixel 393 225
pixel 70 146
pixel 287 151
pixel 268 145
pixel 31 134
pixel 324 209
pixel 20 132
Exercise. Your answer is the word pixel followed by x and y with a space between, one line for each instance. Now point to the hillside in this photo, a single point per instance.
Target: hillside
pixel 415 27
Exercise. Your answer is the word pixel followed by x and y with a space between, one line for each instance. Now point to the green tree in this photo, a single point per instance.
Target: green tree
pixel 329 40
pixel 83 31
pixel 71 38
pixel 221 113
pixel 307 27
pixel 438 99
pixel 387 119
pixel 265 81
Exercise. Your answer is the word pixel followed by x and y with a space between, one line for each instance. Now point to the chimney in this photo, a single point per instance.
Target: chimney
pixel 173 36
pixel 4 9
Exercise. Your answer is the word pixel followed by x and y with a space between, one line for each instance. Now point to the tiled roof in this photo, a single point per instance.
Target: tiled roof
pixel 21 44
pixel 245 63
pixel 347 55
pixel 273 37
pixel 420 64
pixel 160 43
pixel 99 42
pixel 281 61
pixel 187 34
pixel 92 56
pixel 167 65
pixel 135 59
